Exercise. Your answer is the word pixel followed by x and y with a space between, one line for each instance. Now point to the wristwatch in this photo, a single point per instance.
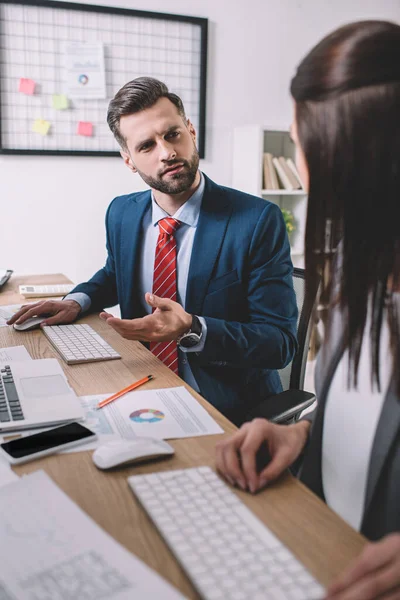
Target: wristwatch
pixel 193 336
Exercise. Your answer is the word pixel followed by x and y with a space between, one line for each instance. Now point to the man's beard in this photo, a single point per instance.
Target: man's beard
pixel 180 182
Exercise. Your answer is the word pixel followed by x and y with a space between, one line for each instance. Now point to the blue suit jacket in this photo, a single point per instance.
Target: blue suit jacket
pixel 240 281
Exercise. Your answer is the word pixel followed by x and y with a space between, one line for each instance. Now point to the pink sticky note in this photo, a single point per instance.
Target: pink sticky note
pixel 26 86
pixel 85 128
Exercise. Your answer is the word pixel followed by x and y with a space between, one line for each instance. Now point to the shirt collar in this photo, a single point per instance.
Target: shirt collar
pixel 188 213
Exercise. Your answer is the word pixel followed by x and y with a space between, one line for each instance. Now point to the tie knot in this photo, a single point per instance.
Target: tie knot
pixel 168 226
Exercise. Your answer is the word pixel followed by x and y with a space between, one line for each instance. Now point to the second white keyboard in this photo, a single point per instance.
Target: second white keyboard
pixel 44 291
pixel 227 552
pixel 79 344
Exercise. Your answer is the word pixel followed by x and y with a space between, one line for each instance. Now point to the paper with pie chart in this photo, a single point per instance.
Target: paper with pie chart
pixel 167 413
pixel 85 70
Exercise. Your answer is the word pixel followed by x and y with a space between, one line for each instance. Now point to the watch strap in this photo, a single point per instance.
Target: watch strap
pixel 196 329
pixel 196 326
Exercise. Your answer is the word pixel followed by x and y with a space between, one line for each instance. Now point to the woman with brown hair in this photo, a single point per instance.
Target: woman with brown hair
pixel 347 131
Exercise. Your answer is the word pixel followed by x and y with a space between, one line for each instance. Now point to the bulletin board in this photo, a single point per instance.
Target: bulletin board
pixel 38 112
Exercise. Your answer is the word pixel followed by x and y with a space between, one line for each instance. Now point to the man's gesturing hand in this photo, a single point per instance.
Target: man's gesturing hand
pixel 168 321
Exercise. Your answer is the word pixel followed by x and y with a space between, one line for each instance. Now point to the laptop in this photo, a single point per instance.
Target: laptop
pixel 36 393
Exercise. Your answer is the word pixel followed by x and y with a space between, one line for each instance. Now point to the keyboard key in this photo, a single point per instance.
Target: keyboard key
pixel 11 391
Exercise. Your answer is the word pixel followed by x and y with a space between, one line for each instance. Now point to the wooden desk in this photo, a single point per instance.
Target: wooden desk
pixel 322 541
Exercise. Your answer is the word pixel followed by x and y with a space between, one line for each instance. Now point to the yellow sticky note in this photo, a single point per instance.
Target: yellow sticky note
pixel 60 101
pixel 41 126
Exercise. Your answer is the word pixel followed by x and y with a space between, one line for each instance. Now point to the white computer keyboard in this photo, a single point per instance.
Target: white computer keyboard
pixel 227 552
pixel 44 291
pixel 79 343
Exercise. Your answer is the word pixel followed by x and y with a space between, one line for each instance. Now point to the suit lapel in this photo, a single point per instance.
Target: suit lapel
pixel 211 228
pixel 131 239
pixel 386 432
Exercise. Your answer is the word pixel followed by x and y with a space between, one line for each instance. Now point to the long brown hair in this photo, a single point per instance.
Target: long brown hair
pixel 347 95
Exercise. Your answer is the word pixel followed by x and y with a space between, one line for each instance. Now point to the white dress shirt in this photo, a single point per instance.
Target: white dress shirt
pixel 188 214
pixel 350 422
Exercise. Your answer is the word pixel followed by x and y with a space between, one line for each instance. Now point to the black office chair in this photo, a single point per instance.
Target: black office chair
pixel 286 406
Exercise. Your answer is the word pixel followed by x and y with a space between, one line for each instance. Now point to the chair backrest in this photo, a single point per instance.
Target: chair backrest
pixel 292 376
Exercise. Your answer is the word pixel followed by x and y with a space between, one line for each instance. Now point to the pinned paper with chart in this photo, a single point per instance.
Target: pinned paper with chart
pixel 85 76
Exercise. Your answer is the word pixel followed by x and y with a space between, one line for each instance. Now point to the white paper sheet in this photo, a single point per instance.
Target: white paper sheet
pixel 6 312
pixel 51 550
pixel 163 414
pixel 7 475
pixel 85 70
pixel 11 353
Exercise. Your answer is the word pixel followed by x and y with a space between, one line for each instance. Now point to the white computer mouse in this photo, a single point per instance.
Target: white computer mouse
pixel 121 452
pixel 29 324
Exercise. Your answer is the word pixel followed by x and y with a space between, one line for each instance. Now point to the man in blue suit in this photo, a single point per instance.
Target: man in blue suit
pixel 231 320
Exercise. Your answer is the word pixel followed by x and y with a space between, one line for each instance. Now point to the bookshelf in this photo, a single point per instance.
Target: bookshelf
pixel 249 145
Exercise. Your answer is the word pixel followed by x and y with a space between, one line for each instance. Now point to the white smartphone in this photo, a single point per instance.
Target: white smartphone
pixel 47 442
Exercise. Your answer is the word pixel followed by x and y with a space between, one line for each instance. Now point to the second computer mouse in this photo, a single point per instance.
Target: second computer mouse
pixel 122 452
pixel 29 324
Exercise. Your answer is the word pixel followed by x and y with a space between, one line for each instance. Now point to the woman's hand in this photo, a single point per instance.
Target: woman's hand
pixel 374 574
pixel 236 457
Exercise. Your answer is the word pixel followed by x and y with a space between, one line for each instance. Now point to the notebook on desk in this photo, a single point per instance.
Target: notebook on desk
pixel 35 393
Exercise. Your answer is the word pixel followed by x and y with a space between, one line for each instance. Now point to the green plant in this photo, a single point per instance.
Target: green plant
pixel 289 220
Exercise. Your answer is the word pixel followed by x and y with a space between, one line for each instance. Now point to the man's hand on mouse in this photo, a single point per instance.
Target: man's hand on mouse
pixel 168 321
pixel 59 311
pixel 236 456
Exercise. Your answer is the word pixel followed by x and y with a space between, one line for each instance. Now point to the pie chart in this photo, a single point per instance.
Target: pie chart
pixel 147 415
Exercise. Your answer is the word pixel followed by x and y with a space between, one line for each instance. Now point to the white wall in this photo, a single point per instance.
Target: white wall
pixel 52 208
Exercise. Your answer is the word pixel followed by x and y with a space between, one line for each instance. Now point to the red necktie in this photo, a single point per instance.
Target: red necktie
pixel 164 284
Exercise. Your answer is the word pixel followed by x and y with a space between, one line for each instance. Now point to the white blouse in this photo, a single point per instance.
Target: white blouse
pixel 350 422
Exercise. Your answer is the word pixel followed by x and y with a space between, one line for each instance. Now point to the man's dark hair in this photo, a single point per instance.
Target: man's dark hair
pixel 137 95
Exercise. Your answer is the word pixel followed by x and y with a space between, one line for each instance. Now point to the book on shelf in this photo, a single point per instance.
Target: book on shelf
pixel 289 173
pixel 295 172
pixel 274 178
pixel 270 178
pixel 280 173
pixel 266 173
pixel 286 183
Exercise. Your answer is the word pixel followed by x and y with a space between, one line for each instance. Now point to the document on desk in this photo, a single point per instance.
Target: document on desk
pixel 6 312
pixel 51 550
pixel 7 475
pixel 165 414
